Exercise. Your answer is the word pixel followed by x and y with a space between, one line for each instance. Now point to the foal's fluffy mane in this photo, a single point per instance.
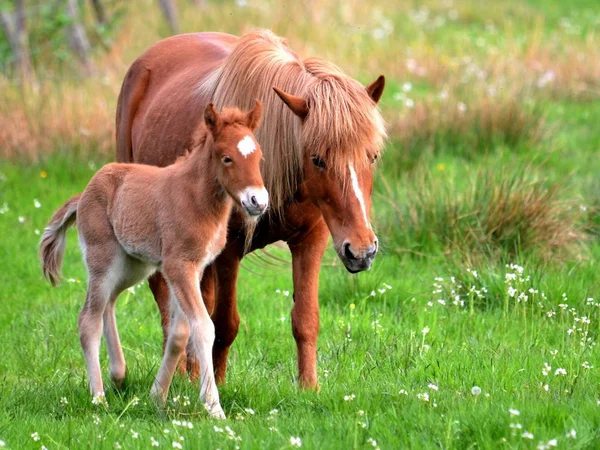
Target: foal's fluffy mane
pixel 343 126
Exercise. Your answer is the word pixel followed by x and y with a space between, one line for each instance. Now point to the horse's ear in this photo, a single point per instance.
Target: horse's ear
pixel 212 118
pixel 253 116
pixel 296 104
pixel 375 89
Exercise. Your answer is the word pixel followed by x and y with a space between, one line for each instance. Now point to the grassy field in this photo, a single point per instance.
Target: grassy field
pixel 477 326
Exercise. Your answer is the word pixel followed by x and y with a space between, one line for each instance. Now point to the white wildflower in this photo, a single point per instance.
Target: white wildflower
pixel 295 441
pixel 476 390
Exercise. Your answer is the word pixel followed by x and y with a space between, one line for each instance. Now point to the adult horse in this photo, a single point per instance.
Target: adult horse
pixel 321 134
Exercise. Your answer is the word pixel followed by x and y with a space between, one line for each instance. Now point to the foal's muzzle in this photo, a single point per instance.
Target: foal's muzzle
pixel 357 261
pixel 255 201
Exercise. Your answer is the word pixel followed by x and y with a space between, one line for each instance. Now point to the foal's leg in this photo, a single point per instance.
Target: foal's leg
pixel 178 336
pixel 307 252
pixel 113 344
pixel 160 291
pixel 103 289
pixel 207 286
pixel 90 332
pixel 183 279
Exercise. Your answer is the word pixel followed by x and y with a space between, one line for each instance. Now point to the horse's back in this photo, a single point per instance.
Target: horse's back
pixel 159 107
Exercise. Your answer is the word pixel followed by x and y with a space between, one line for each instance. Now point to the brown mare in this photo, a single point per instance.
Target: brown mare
pixel 134 220
pixel 321 135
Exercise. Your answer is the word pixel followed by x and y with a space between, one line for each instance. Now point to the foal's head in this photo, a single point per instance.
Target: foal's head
pixel 342 135
pixel 238 155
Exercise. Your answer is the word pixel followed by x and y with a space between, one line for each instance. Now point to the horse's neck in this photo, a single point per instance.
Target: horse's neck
pixel 197 176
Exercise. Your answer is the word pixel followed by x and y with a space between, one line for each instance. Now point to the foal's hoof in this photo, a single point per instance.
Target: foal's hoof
pixel 215 411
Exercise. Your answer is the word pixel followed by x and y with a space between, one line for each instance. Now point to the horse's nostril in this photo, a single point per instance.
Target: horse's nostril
pixel 254 201
pixel 347 252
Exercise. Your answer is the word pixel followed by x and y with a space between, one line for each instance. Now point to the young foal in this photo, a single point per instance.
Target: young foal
pixel 135 219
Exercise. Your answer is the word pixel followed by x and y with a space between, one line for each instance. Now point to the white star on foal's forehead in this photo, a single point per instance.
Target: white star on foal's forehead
pixel 246 146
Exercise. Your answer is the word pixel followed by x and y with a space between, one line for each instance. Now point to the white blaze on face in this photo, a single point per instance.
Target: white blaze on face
pixel 359 194
pixel 246 146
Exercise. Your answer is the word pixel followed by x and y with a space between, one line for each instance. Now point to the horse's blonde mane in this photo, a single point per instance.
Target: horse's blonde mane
pixel 343 125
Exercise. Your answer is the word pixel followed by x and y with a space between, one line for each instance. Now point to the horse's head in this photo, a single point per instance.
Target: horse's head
pixel 238 154
pixel 341 139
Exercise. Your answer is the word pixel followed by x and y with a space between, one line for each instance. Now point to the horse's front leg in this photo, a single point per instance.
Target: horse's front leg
pixel 225 315
pixel 184 281
pixel 307 251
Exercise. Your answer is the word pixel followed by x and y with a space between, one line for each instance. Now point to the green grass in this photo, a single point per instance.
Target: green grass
pixel 420 322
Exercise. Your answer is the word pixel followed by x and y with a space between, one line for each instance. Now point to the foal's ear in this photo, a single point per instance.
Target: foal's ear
pixel 254 115
pixel 212 118
pixel 375 89
pixel 296 104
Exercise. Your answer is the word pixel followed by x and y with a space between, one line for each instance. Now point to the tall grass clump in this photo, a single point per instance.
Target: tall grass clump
pixel 496 214
pixel 466 129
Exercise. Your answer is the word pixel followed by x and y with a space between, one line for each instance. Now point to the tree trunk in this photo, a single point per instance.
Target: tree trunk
pixel 15 29
pixel 99 11
pixel 170 13
pixel 78 40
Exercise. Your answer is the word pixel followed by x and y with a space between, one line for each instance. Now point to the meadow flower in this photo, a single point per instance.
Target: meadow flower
pixel 295 441
pixel 249 411
pixel 4 208
pixel 515 426
pixel 476 390
pixel 37 203
pixel 273 412
pixel 352 306
pixel 462 107
pixel 43 174
pixel 64 401
pixel 407 87
pixel 571 434
pixel 514 412
pixel 349 398
pixel 546 369
pixel 424 396
pixel 402 392
pixel 586 365
pixel 2 444
pixel 21 219
pixel 527 435
pixel 274 429
pixel 560 371
pixel 154 442
pixel 177 445
pixel 425 331
pixel 433 387
pixel 35 436
pixel 554 352
pixel 372 441
pixel 134 434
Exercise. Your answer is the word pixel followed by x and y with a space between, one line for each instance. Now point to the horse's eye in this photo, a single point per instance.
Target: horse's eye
pixel 374 159
pixel 226 160
pixel 318 162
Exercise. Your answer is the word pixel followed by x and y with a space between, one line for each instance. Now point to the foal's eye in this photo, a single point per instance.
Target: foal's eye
pixel 226 160
pixel 374 159
pixel 318 162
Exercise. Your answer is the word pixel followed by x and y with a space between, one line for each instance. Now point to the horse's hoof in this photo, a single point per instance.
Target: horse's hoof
pixel 215 411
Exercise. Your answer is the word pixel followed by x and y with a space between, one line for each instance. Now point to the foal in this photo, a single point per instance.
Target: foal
pixel 135 219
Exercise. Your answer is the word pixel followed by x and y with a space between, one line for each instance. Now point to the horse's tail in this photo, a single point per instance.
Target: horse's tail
pixel 52 245
pixel 133 89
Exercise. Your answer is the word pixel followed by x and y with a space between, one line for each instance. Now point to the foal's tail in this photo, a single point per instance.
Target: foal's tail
pixel 52 245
